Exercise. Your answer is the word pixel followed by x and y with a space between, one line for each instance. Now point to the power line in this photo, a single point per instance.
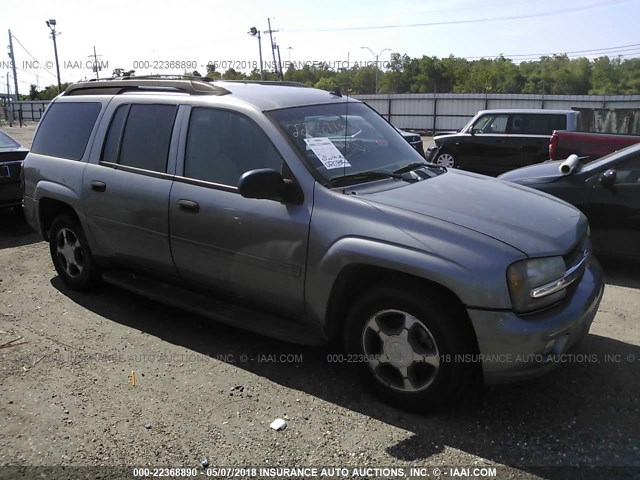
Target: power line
pixel 594 51
pixel 459 22
pixel 34 58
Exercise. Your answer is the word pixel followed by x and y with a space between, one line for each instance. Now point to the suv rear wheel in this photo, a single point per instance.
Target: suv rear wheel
pixel 71 255
pixel 409 347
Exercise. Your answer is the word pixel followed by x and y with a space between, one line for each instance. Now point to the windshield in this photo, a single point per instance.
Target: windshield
pixel 7 142
pixel 346 140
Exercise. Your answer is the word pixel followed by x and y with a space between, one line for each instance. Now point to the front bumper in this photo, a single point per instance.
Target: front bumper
pixel 516 347
pixel 10 194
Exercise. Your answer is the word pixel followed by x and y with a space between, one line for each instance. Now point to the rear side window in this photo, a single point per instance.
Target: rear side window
pixel 114 137
pixel 538 124
pixel 65 129
pixel 146 137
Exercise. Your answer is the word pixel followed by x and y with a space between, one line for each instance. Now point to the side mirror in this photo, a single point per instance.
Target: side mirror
pixel 472 130
pixel 608 178
pixel 267 184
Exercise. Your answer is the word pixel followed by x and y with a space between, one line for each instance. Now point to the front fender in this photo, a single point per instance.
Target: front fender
pixel 350 251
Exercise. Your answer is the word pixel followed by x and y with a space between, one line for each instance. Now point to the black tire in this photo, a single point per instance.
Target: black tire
pixel 447 159
pixel 436 332
pixel 17 209
pixel 71 255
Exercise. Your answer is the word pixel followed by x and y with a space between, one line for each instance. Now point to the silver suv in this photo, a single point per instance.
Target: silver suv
pixel 302 214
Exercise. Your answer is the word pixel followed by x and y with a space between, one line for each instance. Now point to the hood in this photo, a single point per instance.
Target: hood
pixel 540 173
pixel 533 222
pixel 439 139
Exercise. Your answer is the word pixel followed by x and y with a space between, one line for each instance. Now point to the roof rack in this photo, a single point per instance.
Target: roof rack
pixel 152 83
pixel 283 83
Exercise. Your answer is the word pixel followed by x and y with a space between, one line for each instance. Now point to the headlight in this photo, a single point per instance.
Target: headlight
pixel 526 275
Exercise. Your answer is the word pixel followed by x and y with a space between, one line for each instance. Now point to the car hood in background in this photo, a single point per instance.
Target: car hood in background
pixel 541 173
pixel 533 222
pixel 441 138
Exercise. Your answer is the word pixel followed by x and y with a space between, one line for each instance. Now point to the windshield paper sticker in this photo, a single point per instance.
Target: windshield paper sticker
pixel 327 152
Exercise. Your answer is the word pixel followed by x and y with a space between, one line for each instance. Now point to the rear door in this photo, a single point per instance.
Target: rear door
pixel 250 249
pixel 127 192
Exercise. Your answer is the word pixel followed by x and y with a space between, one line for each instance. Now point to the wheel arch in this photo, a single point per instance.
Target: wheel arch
pixel 49 209
pixel 354 280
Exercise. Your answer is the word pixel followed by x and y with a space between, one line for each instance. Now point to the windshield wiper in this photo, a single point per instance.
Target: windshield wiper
pixel 416 165
pixel 364 177
pixel 411 166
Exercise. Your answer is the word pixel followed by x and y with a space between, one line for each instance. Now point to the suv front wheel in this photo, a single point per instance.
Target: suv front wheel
pixel 409 348
pixel 447 159
pixel 71 255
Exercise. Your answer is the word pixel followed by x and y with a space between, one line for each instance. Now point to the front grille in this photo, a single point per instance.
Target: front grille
pixel 577 252
pixel 575 256
pixel 10 169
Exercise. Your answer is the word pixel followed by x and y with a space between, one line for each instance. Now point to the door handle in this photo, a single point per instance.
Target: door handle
pixel 97 186
pixel 188 205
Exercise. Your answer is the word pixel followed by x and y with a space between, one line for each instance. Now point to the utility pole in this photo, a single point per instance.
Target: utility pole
pixel 254 32
pixel 96 68
pixel 273 45
pixel 52 26
pixel 13 66
pixel 7 103
pixel 280 64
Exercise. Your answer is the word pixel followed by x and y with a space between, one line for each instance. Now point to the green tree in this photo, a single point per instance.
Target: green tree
pixel 606 76
pixel 232 74
pixel 33 92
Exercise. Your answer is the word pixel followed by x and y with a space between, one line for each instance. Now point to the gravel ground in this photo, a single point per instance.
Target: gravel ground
pixel 209 391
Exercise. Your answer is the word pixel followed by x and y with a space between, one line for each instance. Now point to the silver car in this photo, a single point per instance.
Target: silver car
pixel 302 214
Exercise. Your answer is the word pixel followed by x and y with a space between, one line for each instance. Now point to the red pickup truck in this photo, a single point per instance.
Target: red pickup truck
pixel 587 144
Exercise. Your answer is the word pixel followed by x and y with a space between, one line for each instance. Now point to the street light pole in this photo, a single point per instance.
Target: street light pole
pixel 254 32
pixel 376 57
pixel 52 26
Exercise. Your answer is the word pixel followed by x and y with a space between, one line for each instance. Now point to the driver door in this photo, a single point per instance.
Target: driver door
pixel 487 150
pixel 614 211
pixel 249 249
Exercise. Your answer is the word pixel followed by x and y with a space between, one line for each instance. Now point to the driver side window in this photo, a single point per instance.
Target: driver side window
pixel 628 173
pixel 491 124
pixel 222 145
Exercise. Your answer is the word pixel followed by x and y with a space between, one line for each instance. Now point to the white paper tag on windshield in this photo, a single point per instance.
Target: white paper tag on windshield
pixel 327 152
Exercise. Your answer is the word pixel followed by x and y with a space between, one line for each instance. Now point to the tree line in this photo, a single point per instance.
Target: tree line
pixel 552 75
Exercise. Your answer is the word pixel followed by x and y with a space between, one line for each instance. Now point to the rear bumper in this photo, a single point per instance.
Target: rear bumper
pixel 515 347
pixel 31 213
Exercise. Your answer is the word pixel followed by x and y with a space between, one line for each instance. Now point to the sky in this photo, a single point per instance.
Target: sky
pixel 167 36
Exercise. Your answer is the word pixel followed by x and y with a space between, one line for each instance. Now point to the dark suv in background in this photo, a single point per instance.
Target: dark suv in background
pixel 496 141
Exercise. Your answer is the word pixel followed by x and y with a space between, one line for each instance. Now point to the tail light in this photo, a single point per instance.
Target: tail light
pixel 553 146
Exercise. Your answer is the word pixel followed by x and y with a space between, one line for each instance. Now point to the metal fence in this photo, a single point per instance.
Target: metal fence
pixel 448 111
pixel 27 111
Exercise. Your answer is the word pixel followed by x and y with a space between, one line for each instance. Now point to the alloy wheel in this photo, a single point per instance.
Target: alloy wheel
pixel 400 350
